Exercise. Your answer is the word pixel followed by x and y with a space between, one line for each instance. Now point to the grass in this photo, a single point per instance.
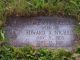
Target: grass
pixel 39 7
pixel 2 35
pixel 8 52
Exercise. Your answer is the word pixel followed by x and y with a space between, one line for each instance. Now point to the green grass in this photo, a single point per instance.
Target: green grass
pixel 39 7
pixel 8 52
pixel 2 35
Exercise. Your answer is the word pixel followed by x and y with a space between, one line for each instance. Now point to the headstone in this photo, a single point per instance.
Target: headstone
pixel 47 32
